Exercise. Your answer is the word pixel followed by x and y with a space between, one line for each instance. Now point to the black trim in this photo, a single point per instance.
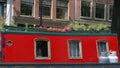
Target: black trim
pixel 59 64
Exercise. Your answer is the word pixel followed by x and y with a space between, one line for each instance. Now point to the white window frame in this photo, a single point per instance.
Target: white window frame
pixel 49 52
pixel 80 50
pixel 90 10
pixel 104 12
pixel 107 46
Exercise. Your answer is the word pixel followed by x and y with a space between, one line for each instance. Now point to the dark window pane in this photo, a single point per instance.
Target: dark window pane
pixel 46 8
pixel 62 9
pixel 85 8
pixel 41 48
pixel 1 10
pixel 27 7
pixel 99 11
pixel 110 11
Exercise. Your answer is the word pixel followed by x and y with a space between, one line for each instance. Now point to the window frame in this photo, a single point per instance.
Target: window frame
pixel 90 10
pixel 80 50
pixel 32 14
pixel 107 46
pixel 49 51
pixel 66 18
pixel 43 5
pixel 104 11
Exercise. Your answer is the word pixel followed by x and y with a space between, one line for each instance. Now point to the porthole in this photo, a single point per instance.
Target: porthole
pixel 9 42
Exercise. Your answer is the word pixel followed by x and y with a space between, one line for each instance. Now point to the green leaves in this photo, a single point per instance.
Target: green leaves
pixel 78 26
pixel 1 23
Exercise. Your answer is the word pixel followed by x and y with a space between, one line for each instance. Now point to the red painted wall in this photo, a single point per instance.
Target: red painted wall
pixel 22 49
pixel 1 54
pixel 0 42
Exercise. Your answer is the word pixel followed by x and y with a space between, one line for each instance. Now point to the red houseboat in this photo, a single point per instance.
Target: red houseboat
pixel 55 47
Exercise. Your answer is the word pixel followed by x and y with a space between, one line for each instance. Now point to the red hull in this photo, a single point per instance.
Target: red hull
pixel 22 48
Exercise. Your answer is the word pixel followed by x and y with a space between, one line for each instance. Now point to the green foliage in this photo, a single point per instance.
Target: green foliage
pixel 81 26
pixel 1 23
pixel 13 24
pixel 26 27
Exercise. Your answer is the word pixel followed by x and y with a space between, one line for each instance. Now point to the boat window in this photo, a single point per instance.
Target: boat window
pixel 9 42
pixel 42 49
pixel 74 49
pixel 102 47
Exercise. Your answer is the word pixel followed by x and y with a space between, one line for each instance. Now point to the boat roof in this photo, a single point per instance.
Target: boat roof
pixel 71 33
